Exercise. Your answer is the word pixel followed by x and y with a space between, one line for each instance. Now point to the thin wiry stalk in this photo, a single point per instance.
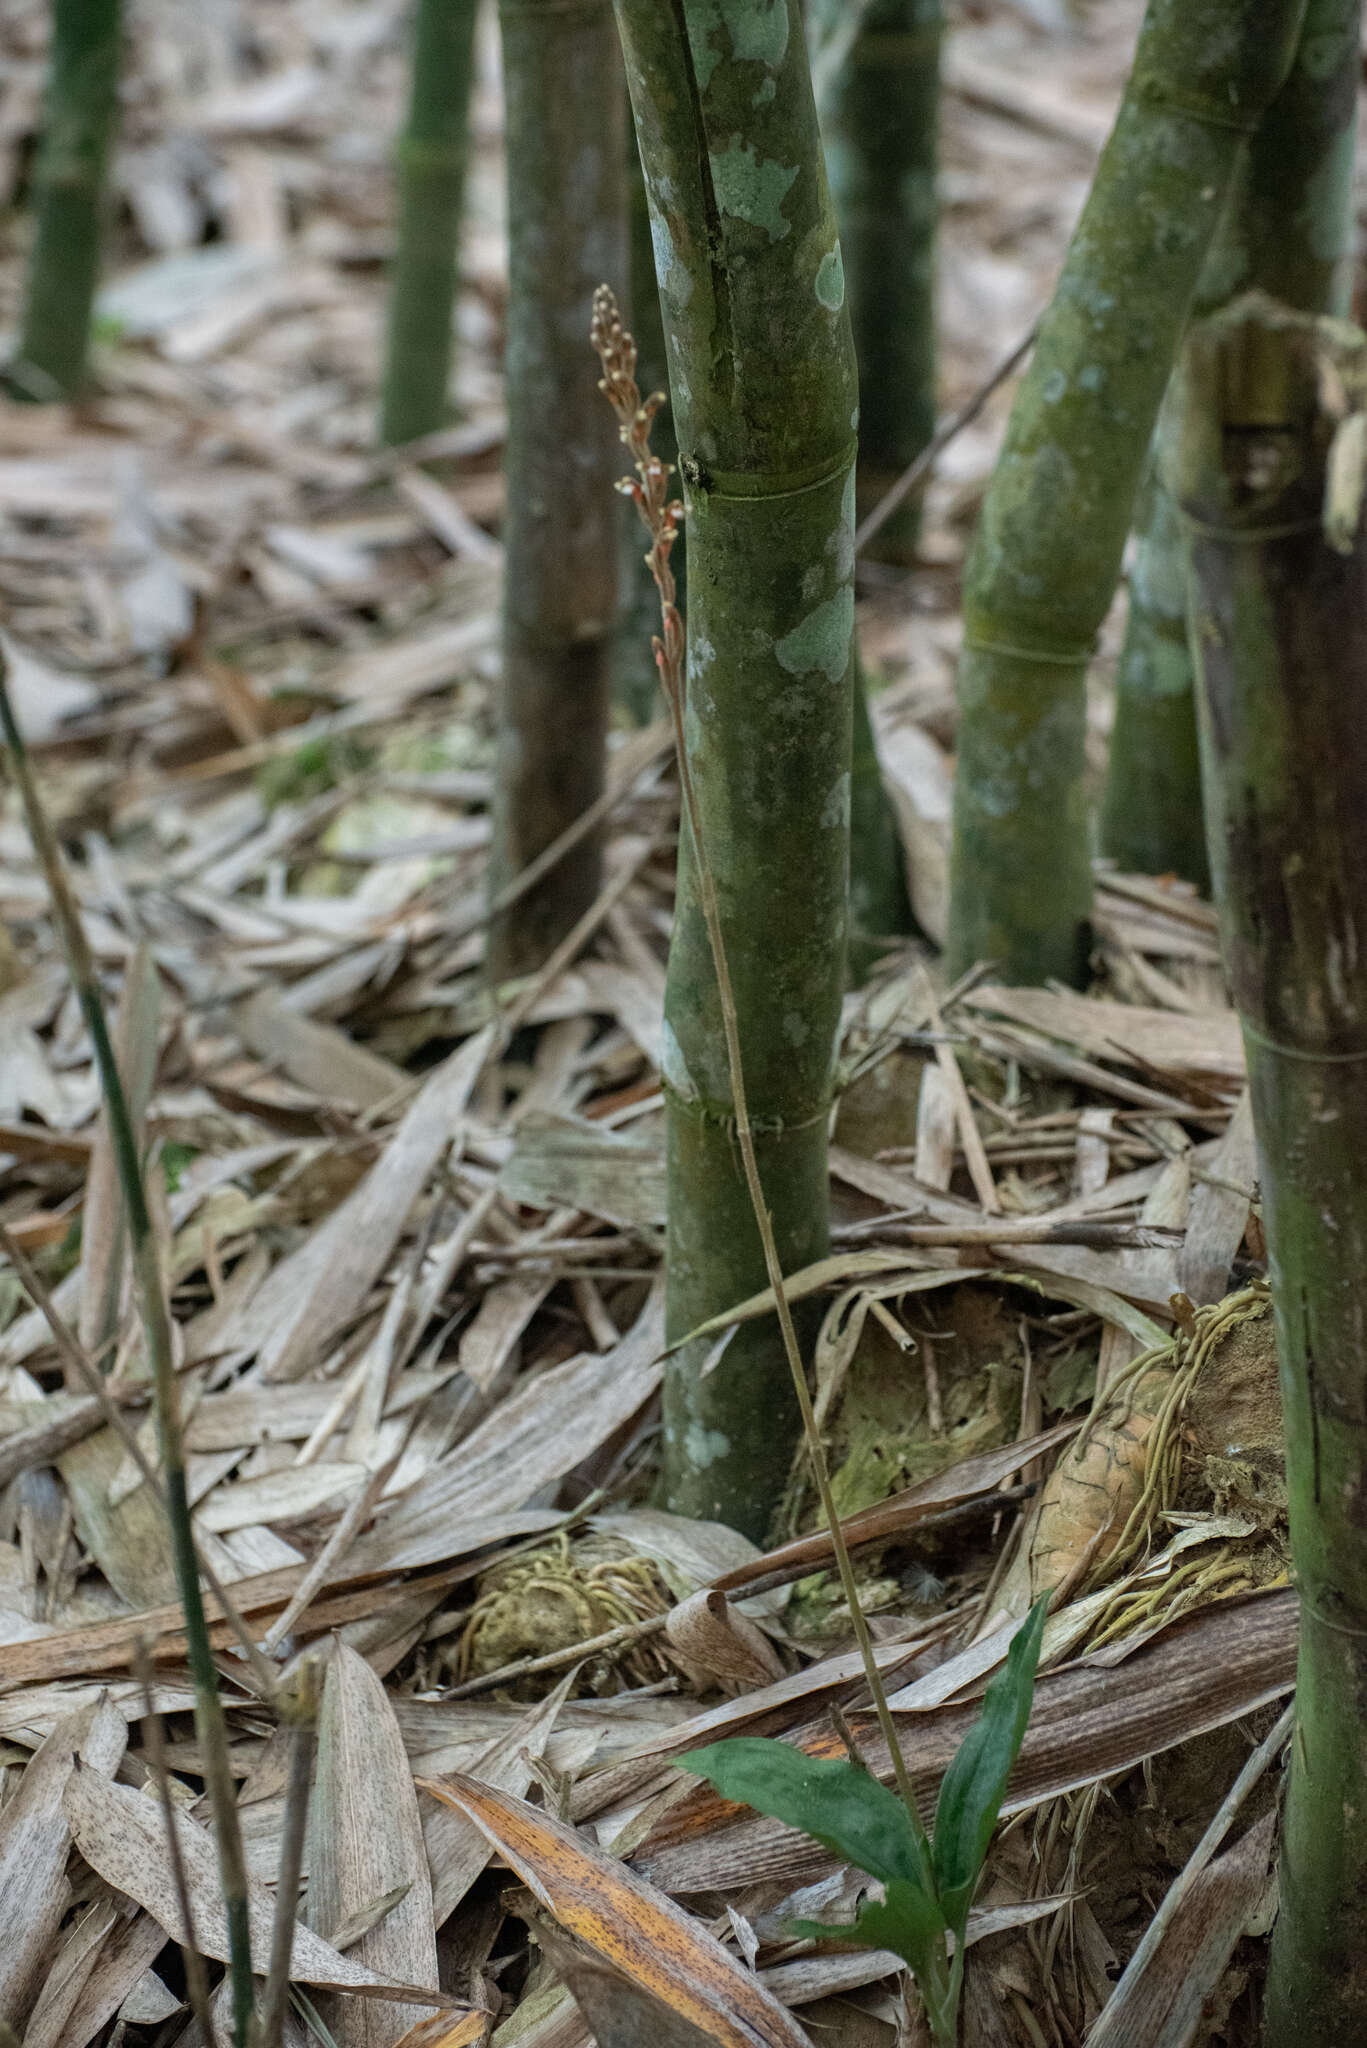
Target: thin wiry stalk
pixel 301 1713
pixel 196 1977
pixel 649 491
pixel 209 1716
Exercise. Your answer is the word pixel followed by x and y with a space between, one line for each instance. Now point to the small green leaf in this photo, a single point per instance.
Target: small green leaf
pixel 907 1921
pixel 973 1787
pixel 836 1803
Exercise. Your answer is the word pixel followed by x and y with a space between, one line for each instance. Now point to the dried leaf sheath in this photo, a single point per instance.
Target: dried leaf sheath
pixel 1289 230
pixel 763 382
pixel 1279 629
pixel 1044 564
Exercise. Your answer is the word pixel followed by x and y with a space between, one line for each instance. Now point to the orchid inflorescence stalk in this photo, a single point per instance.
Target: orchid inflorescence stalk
pixel 649 488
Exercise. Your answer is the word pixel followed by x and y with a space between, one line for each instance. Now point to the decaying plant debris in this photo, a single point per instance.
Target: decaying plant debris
pixel 415 1246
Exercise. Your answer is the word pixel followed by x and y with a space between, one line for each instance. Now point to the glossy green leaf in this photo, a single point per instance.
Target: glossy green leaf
pixel 973 1787
pixel 838 1804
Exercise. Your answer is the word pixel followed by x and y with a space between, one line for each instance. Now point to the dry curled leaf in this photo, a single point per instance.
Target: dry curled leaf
pixel 626 1922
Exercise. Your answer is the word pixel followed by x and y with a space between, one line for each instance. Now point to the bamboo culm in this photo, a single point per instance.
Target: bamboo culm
pixel 1044 564
pixel 430 165
pixel 1288 229
pixel 565 135
pixel 880 121
pixel 1279 632
pixel 762 376
pixel 80 115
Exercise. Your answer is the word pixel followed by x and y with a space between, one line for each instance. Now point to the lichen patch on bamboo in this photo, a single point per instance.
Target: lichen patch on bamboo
pixel 821 640
pixel 830 280
pixel 752 188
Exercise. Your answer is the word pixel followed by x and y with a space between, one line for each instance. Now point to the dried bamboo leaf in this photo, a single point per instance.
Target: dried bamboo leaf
pixel 457 1850
pixel 34 1844
pixel 1210 1044
pixel 706 1632
pixel 312 1295
pixel 86 1988
pixel 626 1923
pixel 365 1839
pixel 547 1426
pixel 122 1835
pixel 317 1056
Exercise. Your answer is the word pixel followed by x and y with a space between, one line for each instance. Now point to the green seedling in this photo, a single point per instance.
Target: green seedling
pixel 928 1881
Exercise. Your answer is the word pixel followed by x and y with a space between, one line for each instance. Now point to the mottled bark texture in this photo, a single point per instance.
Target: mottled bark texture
pixel 880 121
pixel 1279 631
pixel 762 375
pixel 431 162
pixel 1287 229
pixel 567 234
pixel 1044 564
pixel 80 113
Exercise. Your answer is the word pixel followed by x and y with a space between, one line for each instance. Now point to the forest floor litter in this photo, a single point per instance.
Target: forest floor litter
pixel 415 1241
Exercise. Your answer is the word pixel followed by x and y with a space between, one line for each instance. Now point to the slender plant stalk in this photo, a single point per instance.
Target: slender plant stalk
pixel 1288 230
pixel 196 1977
pixel 431 161
pixel 1279 631
pixel 1044 565
pixel 635 686
pixel 567 229
pixel 80 114
pixel 210 1722
pixel 880 907
pixel 880 121
pixel 300 1713
pixel 764 394
pixel 649 492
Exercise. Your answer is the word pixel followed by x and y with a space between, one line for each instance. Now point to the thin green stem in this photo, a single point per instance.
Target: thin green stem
pixel 209 1715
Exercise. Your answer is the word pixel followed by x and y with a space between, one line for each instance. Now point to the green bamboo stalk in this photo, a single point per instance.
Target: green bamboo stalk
pixel 210 1722
pixel 431 161
pixel 567 231
pixel 880 907
pixel 79 117
pixel 880 119
pixel 763 380
pixel 1287 229
pixel 1043 567
pixel 1279 631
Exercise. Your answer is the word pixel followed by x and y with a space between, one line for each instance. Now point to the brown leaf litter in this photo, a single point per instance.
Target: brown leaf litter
pixel 415 1282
